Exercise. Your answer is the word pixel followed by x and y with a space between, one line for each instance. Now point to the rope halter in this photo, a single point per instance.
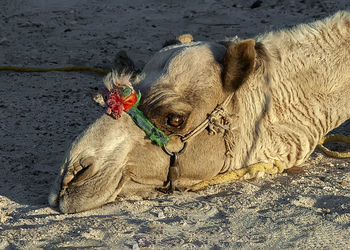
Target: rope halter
pixel 218 121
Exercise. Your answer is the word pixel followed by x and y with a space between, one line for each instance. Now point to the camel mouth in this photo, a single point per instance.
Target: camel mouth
pixel 84 187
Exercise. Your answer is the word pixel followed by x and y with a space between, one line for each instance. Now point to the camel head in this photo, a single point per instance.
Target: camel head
pixel 180 85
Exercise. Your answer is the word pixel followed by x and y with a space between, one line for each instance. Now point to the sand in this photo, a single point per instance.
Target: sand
pixel 41 113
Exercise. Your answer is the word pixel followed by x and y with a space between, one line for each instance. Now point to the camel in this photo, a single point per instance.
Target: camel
pixel 277 95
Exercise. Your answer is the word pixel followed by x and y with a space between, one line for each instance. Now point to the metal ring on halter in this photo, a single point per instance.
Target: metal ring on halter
pixel 180 151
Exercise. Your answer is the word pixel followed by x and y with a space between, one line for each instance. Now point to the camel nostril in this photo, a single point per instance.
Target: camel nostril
pixel 87 161
pixel 77 167
pixel 82 170
pixel 78 177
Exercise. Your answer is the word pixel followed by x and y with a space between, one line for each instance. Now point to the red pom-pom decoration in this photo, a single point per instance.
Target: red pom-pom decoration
pixel 121 98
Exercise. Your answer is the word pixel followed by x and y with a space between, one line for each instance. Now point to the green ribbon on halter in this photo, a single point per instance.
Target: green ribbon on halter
pixel 155 135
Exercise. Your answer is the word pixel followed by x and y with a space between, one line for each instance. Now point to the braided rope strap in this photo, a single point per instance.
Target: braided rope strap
pixel 219 121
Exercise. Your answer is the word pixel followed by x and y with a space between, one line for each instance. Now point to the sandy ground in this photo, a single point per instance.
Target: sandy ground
pixel 41 113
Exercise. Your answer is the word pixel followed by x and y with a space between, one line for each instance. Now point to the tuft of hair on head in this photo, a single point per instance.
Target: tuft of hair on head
pixel 114 79
pixel 185 38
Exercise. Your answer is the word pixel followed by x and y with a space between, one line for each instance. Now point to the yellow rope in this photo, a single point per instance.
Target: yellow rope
pixel 65 69
pixel 335 138
pixel 250 172
pixel 277 167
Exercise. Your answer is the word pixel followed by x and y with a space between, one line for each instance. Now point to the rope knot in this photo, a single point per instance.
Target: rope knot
pixel 220 121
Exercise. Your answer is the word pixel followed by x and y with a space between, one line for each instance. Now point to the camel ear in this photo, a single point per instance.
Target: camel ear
pixel 238 63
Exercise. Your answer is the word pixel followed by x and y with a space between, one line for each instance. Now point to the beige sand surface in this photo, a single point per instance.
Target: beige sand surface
pixel 41 113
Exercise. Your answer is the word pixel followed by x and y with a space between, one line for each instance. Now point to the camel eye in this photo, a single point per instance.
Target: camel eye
pixel 175 120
